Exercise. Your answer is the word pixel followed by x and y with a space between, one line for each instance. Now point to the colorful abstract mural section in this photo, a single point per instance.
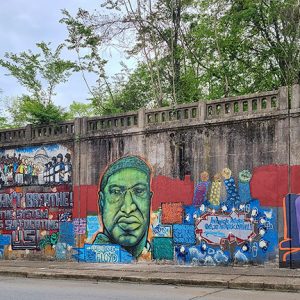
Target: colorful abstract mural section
pixel 31 220
pixel 224 219
pixel 218 236
pixel 36 203
pixel 289 246
pixel 223 224
pixel 42 165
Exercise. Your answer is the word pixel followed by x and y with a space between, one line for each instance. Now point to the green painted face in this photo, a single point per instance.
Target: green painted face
pixel 125 205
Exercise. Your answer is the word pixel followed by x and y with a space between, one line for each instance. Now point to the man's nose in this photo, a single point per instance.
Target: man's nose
pixel 128 204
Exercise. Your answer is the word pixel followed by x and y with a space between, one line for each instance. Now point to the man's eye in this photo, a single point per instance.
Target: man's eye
pixel 139 191
pixel 115 191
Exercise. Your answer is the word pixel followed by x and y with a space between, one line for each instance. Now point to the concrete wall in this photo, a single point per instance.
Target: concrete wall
pixel 204 183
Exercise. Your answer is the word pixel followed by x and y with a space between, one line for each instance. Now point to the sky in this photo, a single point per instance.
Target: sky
pixel 23 23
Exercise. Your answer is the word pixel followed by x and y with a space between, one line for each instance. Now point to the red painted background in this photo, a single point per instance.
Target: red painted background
pixel 269 184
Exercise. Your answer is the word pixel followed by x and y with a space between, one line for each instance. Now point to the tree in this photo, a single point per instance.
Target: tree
pixel 83 38
pixel 187 50
pixel 24 109
pixel 242 47
pixel 148 30
pixel 132 91
pixel 3 119
pixel 274 28
pixel 78 109
pixel 40 74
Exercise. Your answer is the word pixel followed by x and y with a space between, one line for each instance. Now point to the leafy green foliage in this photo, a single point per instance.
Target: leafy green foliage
pixel 24 110
pixel 84 40
pixel 129 94
pixel 39 73
pixel 78 109
pixel 4 123
pixel 244 46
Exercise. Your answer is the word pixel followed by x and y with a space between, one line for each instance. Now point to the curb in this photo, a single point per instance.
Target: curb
pixel 230 284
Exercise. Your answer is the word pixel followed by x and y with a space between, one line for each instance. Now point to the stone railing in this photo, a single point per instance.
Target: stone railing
pixel 63 130
pixel 12 135
pixel 107 123
pixel 177 114
pixel 30 133
pixel 191 114
pixel 253 104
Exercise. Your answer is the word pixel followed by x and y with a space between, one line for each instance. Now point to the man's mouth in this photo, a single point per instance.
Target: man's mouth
pixel 129 223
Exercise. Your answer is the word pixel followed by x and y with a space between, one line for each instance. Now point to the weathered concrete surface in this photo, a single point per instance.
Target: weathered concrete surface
pixel 256 278
pixel 189 151
pixel 34 289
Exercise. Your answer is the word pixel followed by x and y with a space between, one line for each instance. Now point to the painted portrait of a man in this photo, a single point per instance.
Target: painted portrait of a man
pixel 124 205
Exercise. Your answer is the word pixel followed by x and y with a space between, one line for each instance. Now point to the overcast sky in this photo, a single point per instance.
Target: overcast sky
pixel 23 23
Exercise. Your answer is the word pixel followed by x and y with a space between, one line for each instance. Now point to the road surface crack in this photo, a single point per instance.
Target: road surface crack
pixel 207 294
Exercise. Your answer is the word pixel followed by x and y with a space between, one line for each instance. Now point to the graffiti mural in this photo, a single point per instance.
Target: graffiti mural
pixel 240 235
pixel 289 246
pixel 222 225
pixel 36 202
pixel 131 215
pixel 28 216
pixel 124 205
pixel 35 166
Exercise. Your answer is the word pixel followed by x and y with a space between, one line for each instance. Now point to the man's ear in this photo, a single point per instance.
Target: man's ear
pixel 101 200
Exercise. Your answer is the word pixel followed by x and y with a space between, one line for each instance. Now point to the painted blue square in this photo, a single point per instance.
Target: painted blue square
pixel 66 233
pixel 5 239
pixel 184 234
pixel 79 254
pixel 126 257
pixel 106 253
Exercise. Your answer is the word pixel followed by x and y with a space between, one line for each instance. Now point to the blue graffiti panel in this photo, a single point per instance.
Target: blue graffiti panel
pixel 125 257
pixel 78 254
pixel 5 239
pixel 102 253
pixel 66 233
pixel 201 254
pixel 93 226
pixel 162 231
pixel 244 192
pixel 184 234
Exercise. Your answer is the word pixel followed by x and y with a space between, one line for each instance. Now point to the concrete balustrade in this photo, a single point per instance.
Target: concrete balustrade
pixel 227 109
pixel 11 135
pixel 169 114
pixel 253 104
pixel 56 130
pixel 112 122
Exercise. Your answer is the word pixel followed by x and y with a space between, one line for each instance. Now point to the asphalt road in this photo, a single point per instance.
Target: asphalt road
pixel 46 289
